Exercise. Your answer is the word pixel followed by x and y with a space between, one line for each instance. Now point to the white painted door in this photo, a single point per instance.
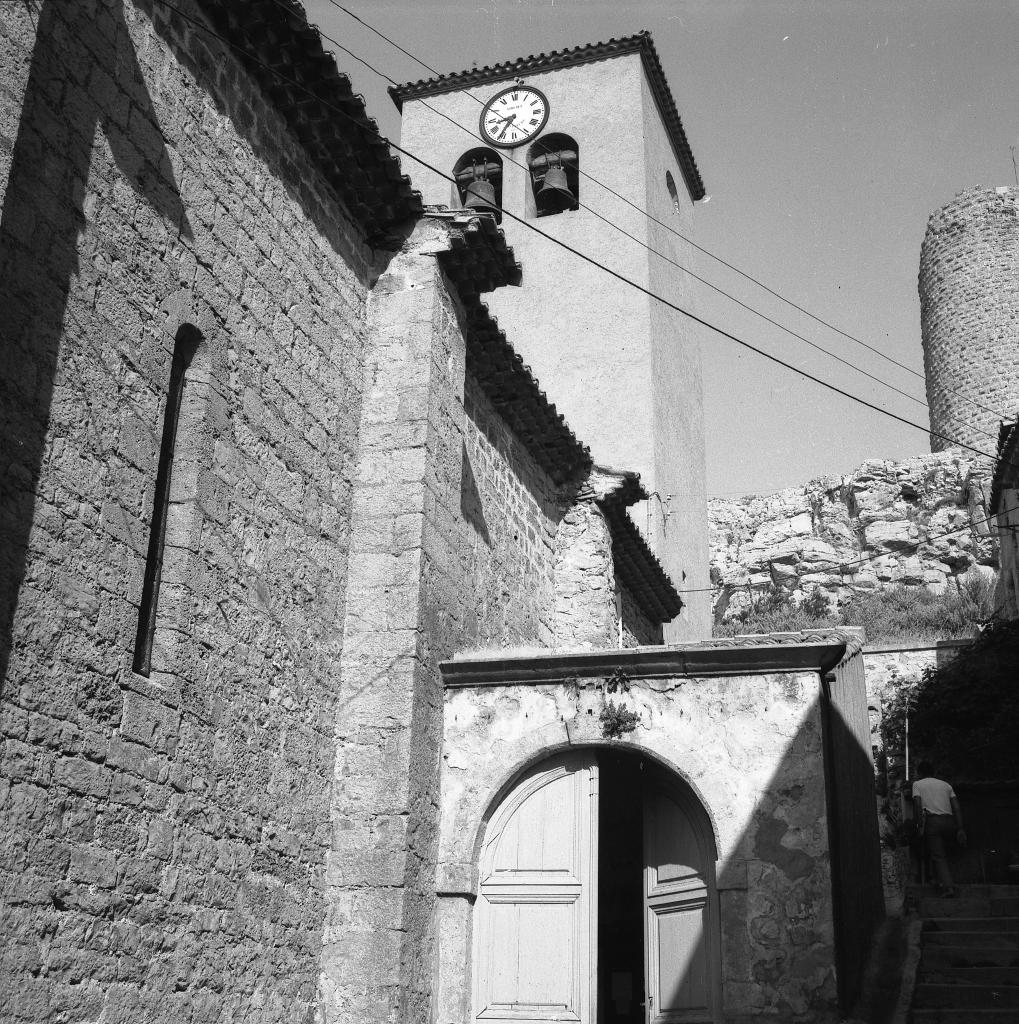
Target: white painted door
pixel 535 943
pixel 678 957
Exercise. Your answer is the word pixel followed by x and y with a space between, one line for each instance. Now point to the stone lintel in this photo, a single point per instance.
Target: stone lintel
pixel 810 651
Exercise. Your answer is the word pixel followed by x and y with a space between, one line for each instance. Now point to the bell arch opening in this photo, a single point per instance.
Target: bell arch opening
pixel 554 165
pixel 597 899
pixel 478 177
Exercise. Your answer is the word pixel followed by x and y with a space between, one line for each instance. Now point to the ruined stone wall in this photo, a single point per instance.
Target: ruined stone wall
pixel 969 316
pixel 921 522
pixel 164 838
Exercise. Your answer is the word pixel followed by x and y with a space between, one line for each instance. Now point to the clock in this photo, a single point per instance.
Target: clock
pixel 514 116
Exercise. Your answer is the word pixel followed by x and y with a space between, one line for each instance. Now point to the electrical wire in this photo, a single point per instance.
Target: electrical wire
pixel 841 567
pixel 678 234
pixel 374 133
pixel 668 259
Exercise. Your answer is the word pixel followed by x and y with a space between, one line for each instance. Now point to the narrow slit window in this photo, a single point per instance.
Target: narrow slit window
pixel 185 345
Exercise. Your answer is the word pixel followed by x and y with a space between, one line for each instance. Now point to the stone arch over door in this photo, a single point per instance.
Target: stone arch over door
pixel 530 941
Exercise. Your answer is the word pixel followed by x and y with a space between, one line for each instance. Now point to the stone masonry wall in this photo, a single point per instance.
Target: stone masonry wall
pixel 452 546
pixel 164 840
pixel 969 315
pixel 921 522
pixel 638 629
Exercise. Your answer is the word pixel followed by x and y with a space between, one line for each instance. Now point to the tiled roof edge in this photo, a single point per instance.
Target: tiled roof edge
pixel 517 397
pixel 641 43
pixel 479 258
pixel 636 565
pixel 277 46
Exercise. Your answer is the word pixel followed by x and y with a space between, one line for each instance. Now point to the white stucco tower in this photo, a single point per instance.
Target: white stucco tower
pixel 578 143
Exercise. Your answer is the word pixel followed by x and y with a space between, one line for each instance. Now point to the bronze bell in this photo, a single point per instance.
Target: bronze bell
pixel 480 195
pixel 555 193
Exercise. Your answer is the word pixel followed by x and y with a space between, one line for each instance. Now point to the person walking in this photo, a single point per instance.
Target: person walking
pixel 939 814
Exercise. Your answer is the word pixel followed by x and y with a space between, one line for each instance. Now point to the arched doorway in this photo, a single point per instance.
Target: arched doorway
pixel 597 900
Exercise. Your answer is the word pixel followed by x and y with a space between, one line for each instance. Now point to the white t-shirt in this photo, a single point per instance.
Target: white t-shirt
pixel 934 794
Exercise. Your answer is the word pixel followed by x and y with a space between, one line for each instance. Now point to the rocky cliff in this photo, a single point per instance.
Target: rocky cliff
pixel 919 523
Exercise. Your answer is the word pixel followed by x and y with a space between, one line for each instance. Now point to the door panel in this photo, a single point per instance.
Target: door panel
pixel 534 952
pixel 678 954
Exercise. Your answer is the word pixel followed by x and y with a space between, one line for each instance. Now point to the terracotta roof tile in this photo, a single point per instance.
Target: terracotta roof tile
pixel 517 397
pixel 636 565
pixel 285 55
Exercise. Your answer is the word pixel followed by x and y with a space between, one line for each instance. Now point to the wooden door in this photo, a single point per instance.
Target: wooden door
pixel 680 952
pixel 535 943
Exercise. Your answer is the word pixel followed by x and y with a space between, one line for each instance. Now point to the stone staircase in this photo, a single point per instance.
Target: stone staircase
pixel 969 958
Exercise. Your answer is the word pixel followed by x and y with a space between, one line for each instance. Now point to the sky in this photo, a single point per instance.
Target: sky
pixel 826 132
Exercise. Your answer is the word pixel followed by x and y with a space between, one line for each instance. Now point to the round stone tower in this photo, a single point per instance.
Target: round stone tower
pixel 969 316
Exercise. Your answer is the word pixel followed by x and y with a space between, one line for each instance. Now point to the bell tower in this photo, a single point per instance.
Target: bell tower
pixel 582 145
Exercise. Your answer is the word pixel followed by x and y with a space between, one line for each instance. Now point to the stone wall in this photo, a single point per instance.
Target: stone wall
pixel 164 839
pixel 969 316
pixel 749 747
pixel 510 515
pixel 921 522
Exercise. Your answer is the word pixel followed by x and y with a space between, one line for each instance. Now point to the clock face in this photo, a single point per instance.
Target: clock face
pixel 514 116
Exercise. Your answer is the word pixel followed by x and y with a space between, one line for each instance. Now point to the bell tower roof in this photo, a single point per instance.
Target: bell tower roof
pixel 641 43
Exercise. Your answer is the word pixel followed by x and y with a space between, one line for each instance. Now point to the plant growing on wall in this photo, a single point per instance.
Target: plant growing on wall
pixel 617 720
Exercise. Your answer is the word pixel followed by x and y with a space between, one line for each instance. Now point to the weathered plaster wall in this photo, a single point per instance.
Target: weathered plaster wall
pixel 751 750
pixel 624 372
pixel 679 509
pixel 164 842
pixel 921 522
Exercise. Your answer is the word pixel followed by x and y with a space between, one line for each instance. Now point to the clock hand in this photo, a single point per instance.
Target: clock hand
pixel 509 120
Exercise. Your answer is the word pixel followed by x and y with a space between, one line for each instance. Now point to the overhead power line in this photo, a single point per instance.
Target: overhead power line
pixel 621 277
pixel 366 129
pixel 668 227
pixel 721 291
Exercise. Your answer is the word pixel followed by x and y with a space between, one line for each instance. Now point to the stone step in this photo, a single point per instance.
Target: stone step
pixel 971 940
pixel 938 957
pixel 971 924
pixel 967 997
pixel 976 906
pixel 977 891
pixel 953 975
pixel 971 1016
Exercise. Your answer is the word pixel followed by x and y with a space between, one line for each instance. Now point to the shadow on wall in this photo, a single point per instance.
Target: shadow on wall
pixel 82 64
pixel 799 862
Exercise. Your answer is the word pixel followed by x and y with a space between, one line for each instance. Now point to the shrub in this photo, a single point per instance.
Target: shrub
pixel 889 614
